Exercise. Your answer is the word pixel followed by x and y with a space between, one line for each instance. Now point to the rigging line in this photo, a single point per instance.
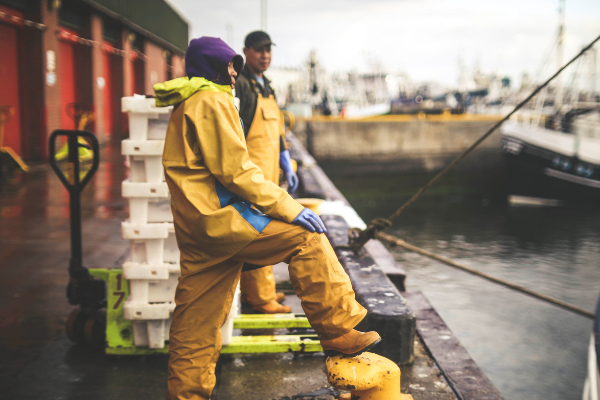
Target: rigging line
pixel 546 56
pixel 488 133
pixel 569 307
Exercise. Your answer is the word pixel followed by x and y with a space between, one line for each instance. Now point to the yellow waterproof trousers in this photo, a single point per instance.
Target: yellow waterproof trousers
pixel 203 301
pixel 258 286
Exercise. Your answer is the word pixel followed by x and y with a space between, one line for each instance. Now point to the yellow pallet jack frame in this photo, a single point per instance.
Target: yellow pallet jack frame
pixel 82 118
pixel 8 157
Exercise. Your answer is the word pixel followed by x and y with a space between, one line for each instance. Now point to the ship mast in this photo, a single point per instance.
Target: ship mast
pixel 594 75
pixel 558 99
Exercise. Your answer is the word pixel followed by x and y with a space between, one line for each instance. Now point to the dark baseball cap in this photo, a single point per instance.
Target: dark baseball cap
pixel 257 39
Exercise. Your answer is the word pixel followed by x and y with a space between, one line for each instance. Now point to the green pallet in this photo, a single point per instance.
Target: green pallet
pixel 119 331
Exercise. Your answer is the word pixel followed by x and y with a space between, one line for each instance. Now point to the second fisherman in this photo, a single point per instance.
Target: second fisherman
pixel 265 138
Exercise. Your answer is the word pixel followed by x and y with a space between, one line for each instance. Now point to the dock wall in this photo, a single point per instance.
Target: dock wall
pixel 409 146
pixel 420 144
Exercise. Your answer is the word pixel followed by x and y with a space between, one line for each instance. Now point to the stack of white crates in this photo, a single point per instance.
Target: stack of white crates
pixel 153 270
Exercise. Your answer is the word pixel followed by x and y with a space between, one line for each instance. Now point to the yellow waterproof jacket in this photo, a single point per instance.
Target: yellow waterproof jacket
pixel 214 184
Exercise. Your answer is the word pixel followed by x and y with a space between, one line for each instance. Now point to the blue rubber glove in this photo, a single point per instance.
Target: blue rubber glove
pixel 310 221
pixel 285 162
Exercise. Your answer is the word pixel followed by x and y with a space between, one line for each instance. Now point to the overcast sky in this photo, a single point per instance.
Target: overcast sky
pixel 422 38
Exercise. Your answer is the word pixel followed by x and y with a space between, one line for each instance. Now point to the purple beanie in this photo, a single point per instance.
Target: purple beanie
pixel 208 57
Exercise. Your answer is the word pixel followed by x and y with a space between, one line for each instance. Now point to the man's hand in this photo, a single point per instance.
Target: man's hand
pixel 285 162
pixel 310 221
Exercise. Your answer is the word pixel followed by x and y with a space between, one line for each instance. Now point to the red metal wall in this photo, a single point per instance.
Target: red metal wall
pixel 109 76
pixel 74 78
pixel 9 82
pixel 66 80
pixel 139 82
pixel 113 90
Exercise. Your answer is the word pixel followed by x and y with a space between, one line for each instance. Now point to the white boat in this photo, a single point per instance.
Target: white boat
pixel 570 154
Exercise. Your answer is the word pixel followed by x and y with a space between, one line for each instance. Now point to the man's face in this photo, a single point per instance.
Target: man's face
pixel 232 73
pixel 258 59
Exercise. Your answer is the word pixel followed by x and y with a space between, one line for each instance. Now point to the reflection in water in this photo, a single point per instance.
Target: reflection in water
pixel 529 349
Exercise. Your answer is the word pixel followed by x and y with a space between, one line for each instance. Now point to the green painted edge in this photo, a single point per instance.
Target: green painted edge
pixel 283 347
pixel 119 331
pixel 243 322
pixel 136 351
pixel 240 345
pixel 100 273
pixel 270 344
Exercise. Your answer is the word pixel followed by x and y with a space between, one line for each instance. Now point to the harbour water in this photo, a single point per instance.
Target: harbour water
pixel 529 349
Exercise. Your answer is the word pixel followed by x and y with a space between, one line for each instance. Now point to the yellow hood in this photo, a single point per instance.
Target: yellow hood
pixel 175 91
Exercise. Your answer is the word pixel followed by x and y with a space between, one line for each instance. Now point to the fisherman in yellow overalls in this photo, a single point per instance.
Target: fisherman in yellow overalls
pixel 265 139
pixel 227 214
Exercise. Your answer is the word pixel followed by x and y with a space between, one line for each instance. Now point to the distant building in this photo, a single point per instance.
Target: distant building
pixel 92 52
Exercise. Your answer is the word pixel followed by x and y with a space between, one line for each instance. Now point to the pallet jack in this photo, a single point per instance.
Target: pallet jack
pixel 85 323
pixel 100 293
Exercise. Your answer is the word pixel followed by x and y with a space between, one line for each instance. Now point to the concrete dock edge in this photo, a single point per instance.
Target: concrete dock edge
pixel 388 312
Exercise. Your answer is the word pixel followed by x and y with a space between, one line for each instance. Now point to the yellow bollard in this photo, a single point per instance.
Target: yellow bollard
pixel 368 377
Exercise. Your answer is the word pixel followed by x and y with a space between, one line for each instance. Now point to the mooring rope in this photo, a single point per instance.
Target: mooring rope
pixel 399 242
pixel 358 237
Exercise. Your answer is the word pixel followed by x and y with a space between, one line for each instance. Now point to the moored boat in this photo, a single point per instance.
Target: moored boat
pixel 563 162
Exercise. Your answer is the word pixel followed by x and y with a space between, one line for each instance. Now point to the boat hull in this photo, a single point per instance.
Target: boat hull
pixel 545 163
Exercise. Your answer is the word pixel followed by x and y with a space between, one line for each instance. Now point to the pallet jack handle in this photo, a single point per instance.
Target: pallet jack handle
pixel 82 289
pixel 74 185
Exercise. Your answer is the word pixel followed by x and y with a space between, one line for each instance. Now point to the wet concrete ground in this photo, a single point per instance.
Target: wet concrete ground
pixel 37 361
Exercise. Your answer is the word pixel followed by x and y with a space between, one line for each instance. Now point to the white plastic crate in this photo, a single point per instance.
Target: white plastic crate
pixel 142 312
pixel 148 202
pixel 151 243
pixel 155 251
pixel 150 284
pixel 145 160
pixel 151 301
pixel 133 270
pixel 146 121
pixel 150 209
pixel 130 147
pixel 143 291
pixel 152 333
pixel 151 322
pixel 146 169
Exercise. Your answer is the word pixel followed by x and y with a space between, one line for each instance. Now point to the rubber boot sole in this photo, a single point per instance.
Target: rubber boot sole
pixel 333 353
